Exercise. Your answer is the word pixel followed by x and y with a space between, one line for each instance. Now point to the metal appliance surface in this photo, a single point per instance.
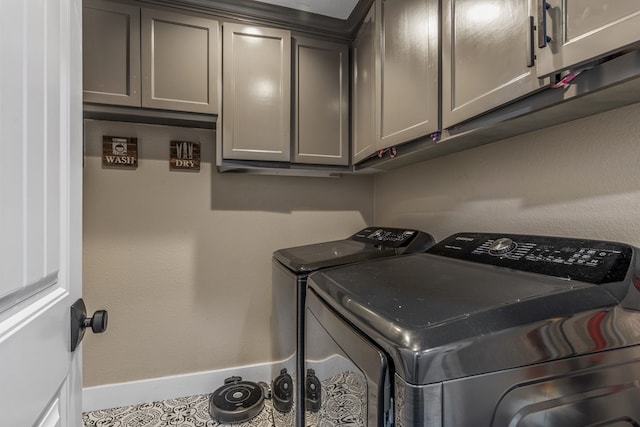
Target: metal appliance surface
pixel 290 269
pixel 489 330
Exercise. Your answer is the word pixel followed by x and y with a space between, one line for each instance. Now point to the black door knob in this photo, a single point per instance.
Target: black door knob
pixel 80 321
pixel 98 322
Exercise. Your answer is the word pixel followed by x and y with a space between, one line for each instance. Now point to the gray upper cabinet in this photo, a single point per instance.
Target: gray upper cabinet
pixel 486 56
pixel 583 30
pixel 407 70
pixel 179 62
pixel 321 109
pixel 363 112
pixel 395 75
pixel 256 98
pixel 111 53
pixel 149 58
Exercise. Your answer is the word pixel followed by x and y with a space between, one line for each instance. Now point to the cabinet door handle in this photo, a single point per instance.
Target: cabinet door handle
pixel 531 56
pixel 543 38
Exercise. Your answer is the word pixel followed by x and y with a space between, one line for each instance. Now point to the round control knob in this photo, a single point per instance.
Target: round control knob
pixel 502 246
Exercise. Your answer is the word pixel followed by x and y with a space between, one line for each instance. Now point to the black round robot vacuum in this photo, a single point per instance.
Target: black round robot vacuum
pixel 236 401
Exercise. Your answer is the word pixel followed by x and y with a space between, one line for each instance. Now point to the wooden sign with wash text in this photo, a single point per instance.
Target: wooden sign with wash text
pixel 184 155
pixel 119 152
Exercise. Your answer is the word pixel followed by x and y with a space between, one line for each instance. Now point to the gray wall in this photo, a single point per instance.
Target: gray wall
pixel 577 179
pixel 181 260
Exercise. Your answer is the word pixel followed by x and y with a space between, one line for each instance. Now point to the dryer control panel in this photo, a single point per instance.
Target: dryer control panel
pixel 412 240
pixel 589 261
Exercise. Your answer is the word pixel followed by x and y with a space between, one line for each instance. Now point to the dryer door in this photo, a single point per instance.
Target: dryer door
pixel 346 376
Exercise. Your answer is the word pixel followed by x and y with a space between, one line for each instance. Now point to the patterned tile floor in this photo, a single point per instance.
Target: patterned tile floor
pixel 343 398
pixel 192 411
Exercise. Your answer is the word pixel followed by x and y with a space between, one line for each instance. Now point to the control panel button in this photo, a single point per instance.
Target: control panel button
pixel 502 246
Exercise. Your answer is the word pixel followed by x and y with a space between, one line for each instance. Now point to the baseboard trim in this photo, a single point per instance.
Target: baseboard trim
pixel 151 390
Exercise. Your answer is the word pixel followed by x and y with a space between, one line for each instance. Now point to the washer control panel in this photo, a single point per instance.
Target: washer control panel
pixel 385 236
pixel 589 261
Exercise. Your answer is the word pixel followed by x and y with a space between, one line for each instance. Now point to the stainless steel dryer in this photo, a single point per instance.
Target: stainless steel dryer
pixel 482 330
pixel 291 268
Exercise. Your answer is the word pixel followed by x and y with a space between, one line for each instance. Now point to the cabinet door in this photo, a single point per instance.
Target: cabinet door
pixel 179 62
pixel 582 30
pixel 321 130
pixel 363 111
pixel 256 99
pixel 407 77
pixel 111 53
pixel 486 54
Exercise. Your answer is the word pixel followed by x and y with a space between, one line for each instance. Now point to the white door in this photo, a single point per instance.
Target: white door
pixel 40 210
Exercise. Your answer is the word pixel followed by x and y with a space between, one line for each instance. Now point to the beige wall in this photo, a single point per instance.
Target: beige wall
pixel 182 260
pixel 577 179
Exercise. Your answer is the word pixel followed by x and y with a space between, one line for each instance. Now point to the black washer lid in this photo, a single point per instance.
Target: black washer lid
pixel 442 318
pixel 308 258
pixel 368 243
pixel 236 401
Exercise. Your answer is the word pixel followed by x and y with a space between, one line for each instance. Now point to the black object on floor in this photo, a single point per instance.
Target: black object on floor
pixel 236 401
pixel 282 391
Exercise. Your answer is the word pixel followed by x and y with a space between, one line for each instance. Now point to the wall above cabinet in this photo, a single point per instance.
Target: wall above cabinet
pixel 340 9
pixel 298 20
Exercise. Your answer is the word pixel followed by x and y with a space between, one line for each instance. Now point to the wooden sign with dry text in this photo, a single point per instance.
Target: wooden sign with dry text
pixel 119 152
pixel 184 155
